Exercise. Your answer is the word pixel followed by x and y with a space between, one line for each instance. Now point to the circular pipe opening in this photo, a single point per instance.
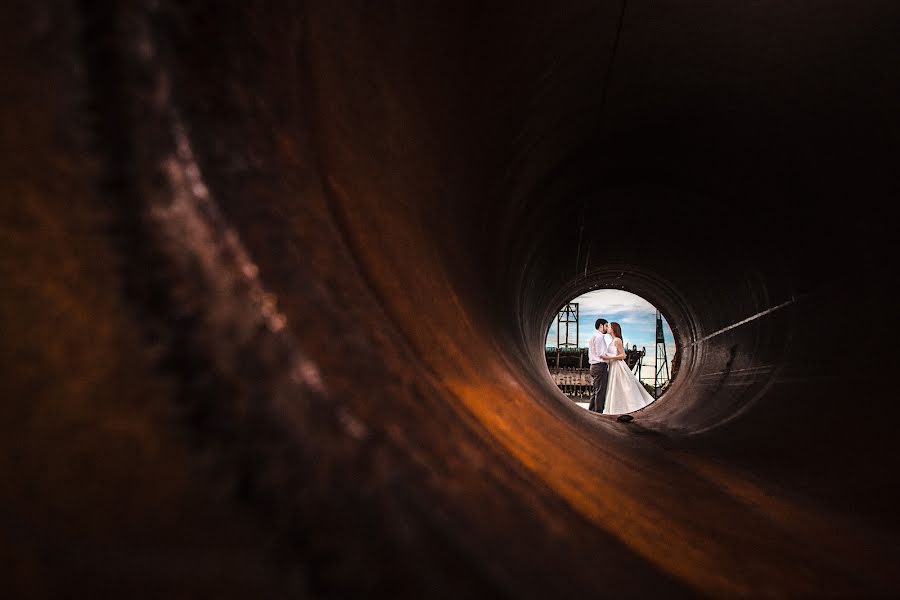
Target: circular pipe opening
pixel 656 291
pixel 571 333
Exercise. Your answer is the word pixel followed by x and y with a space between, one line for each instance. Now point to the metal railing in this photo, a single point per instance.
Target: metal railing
pixel 573 382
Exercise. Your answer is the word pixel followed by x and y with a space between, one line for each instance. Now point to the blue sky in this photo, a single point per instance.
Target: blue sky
pixel 636 316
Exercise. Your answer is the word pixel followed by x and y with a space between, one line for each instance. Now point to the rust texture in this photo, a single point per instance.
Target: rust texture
pixel 276 279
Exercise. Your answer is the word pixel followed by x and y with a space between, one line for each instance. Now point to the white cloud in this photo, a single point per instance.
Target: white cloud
pixel 636 316
pixel 612 301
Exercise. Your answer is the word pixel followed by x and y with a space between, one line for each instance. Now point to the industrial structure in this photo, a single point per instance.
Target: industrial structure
pixel 565 342
pixel 567 361
pixel 276 281
pixel 661 363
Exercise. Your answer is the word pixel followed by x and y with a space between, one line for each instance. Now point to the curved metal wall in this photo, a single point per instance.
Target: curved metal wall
pixel 277 281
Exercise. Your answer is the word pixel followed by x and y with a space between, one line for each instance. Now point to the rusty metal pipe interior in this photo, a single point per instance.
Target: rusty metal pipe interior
pixel 277 277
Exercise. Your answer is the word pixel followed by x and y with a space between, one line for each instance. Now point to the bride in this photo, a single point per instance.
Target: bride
pixel 624 393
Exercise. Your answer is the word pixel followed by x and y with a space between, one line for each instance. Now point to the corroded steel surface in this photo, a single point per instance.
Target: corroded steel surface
pixel 276 279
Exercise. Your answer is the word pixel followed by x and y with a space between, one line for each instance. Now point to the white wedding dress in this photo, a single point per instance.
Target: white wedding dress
pixel 624 393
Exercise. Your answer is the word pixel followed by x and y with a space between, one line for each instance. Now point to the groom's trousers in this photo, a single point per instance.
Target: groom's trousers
pixel 599 379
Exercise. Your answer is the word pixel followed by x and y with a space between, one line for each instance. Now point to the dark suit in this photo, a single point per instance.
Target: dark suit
pixel 599 379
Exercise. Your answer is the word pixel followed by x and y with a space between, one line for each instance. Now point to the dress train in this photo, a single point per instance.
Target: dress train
pixel 624 393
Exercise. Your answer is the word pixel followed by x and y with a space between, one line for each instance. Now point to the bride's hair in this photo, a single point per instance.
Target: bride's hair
pixel 616 329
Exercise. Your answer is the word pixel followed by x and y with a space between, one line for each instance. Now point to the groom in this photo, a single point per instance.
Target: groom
pixel 599 366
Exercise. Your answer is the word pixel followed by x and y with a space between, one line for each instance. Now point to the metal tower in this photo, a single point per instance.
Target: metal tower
pixel 567 315
pixel 660 365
